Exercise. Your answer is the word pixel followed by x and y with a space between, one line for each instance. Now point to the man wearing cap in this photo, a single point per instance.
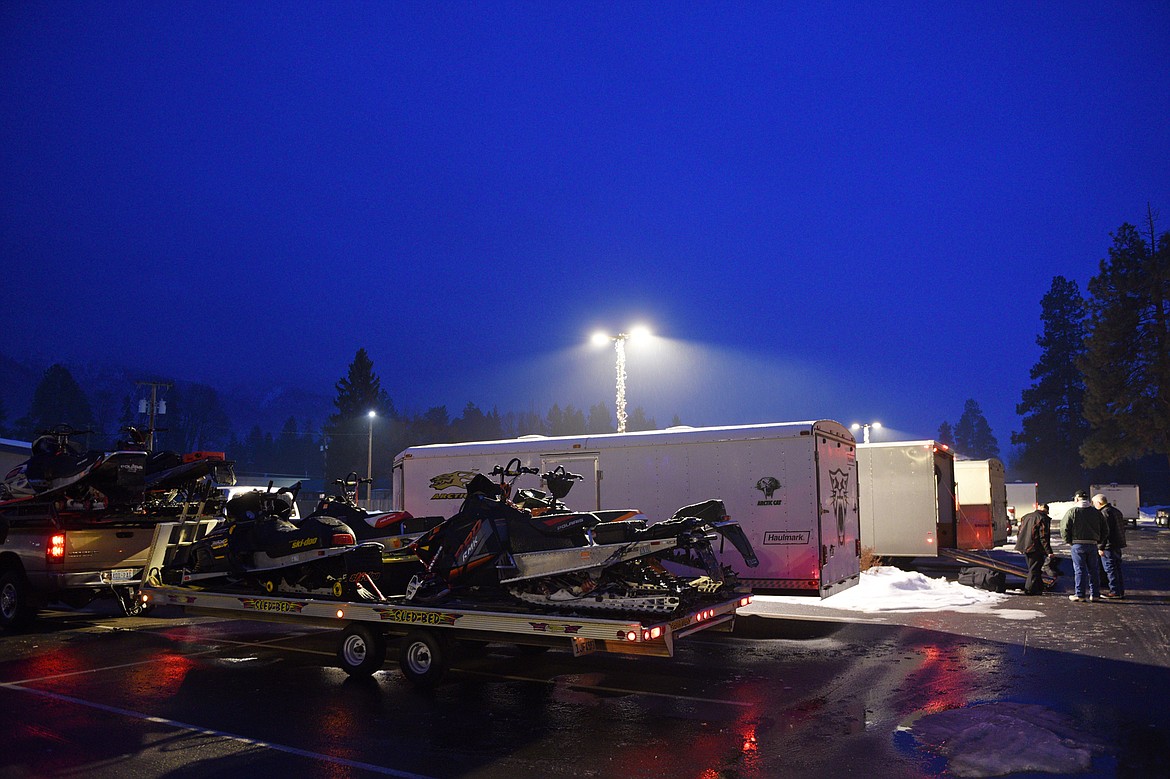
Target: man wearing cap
pixel 1110 548
pixel 1034 541
pixel 1084 530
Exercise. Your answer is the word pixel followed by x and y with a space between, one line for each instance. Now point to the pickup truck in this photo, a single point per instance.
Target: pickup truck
pixel 72 559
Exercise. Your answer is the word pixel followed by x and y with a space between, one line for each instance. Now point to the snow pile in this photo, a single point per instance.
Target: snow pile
pixel 886 588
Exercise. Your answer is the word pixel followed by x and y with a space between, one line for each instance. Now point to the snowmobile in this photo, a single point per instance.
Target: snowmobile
pixel 258 546
pixel 573 560
pixel 395 528
pixel 169 470
pixel 60 468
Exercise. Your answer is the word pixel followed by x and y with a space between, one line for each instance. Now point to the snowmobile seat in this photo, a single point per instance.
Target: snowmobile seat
pixel 618 531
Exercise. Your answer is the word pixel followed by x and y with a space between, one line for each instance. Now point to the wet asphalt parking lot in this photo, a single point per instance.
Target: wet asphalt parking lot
pixel 814 693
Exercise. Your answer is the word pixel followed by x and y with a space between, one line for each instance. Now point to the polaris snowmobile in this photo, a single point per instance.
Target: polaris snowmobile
pixel 573 560
pixel 395 529
pixel 60 468
pixel 168 470
pixel 258 546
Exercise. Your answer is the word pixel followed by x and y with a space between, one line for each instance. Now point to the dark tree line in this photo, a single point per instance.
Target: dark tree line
pixel 194 420
pixel 1099 406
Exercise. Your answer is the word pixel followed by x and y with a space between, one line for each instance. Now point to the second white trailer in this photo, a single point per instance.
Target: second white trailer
pixel 906 493
pixel 983 522
pixel 791 486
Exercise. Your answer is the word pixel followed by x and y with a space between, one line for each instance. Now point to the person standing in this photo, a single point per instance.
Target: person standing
pixel 1110 549
pixel 1034 541
pixel 1084 529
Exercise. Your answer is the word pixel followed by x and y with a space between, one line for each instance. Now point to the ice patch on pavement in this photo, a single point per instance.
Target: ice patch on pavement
pixel 993 739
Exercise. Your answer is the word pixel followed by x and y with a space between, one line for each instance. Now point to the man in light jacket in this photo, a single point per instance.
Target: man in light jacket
pixel 1110 548
pixel 1084 530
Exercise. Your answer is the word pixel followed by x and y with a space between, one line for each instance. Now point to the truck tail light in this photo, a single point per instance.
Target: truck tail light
pixel 55 549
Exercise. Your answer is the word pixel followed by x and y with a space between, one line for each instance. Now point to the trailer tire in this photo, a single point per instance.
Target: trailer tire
pixel 362 650
pixel 424 658
pixel 16 610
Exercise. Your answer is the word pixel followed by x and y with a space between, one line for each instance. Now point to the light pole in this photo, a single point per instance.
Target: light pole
pixel 865 429
pixel 619 345
pixel 370 460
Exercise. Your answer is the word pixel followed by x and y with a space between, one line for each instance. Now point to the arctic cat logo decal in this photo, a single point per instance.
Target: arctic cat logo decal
pixel 259 604
pixel 449 496
pixel 768 485
pixel 452 480
pixel 552 627
pixel 417 617
pixel 786 537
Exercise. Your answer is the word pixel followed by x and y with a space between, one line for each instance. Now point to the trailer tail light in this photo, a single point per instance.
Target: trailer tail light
pixel 55 550
pixel 745 600
pixel 632 635
pixel 652 633
pixel 343 539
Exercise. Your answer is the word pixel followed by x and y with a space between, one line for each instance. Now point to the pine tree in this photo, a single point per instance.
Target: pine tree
pixel 1052 409
pixel 1126 364
pixel 973 436
pixel 57 400
pixel 599 419
pixel 946 434
pixel 352 434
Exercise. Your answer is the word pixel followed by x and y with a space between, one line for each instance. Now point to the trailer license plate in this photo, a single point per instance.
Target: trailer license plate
pixel 119 575
pixel 583 646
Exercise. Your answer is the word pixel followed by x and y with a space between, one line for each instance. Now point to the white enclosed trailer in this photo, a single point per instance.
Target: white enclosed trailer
pixel 983 522
pixel 906 493
pixel 1022 498
pixel 791 486
pixel 1125 497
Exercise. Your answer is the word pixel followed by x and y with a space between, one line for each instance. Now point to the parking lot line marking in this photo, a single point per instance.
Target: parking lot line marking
pixel 598 688
pixel 219 733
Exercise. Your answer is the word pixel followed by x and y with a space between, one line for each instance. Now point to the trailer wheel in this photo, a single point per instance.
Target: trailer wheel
pixel 16 611
pixel 423 657
pixel 362 650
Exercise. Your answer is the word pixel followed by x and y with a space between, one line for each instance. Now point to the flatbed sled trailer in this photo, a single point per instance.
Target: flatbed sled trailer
pixel 431 634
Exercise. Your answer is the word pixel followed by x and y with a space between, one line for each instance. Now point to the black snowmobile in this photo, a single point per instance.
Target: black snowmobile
pixel 257 545
pixel 395 529
pixel 574 560
pixel 62 469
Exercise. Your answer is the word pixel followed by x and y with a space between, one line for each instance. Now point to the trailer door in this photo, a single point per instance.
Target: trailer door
pixel 840 527
pixel 586 494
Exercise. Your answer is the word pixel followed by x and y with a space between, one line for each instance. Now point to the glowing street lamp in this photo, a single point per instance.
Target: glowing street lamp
pixel 865 429
pixel 619 344
pixel 370 460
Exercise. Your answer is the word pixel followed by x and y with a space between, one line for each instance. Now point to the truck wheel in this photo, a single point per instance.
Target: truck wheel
pixel 423 657
pixel 362 650
pixel 16 612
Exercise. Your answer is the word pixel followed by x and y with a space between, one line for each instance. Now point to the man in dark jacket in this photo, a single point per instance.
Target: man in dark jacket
pixel 1034 541
pixel 1110 549
pixel 1084 530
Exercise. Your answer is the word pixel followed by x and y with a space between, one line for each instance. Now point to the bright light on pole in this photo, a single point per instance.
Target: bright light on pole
pixel 370 460
pixel 864 428
pixel 619 344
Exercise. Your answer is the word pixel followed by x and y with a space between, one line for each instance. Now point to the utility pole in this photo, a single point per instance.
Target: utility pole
pixel 154 407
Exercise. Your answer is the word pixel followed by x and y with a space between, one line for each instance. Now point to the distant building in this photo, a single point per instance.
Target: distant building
pixel 12 454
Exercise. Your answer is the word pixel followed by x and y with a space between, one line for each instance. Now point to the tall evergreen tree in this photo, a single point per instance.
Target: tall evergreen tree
pixel 57 400
pixel 1052 409
pixel 599 419
pixel 973 436
pixel 352 434
pixel 946 434
pixel 1127 361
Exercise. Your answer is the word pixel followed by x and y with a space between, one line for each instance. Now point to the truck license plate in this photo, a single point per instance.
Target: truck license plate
pixel 583 646
pixel 120 575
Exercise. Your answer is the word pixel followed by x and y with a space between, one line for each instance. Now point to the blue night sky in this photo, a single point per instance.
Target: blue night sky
pixel 825 210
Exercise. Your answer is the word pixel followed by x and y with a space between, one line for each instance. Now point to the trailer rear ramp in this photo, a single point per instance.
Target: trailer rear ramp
pixel 987 561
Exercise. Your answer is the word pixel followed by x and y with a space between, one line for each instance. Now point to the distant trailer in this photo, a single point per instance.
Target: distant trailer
pixel 1126 497
pixel 1022 497
pixel 983 522
pixel 906 498
pixel 791 486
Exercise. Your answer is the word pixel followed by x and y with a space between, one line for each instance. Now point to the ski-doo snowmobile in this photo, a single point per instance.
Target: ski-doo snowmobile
pixel 396 529
pixel 257 545
pixel 573 560
pixel 60 468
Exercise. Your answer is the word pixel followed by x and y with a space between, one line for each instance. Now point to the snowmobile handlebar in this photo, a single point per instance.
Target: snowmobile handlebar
pixel 508 470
